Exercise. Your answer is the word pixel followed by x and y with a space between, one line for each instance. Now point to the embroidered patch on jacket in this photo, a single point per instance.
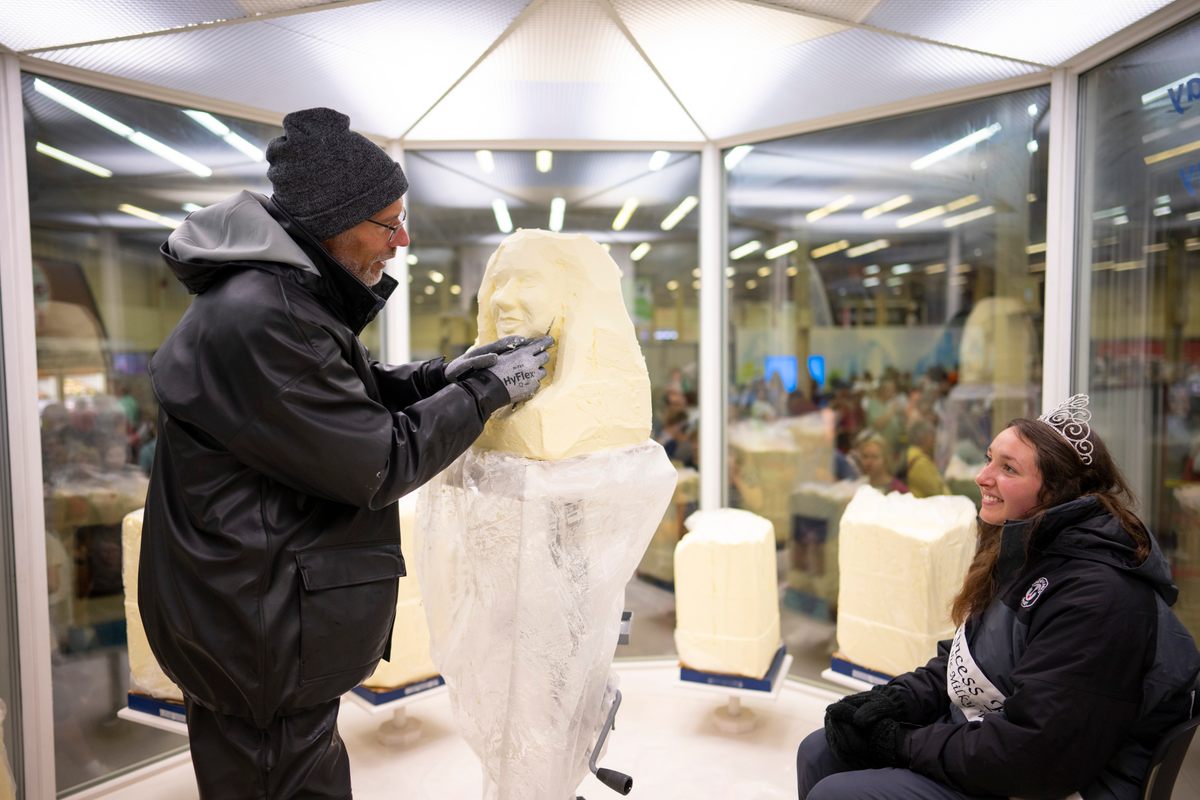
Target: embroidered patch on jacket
pixel 1034 592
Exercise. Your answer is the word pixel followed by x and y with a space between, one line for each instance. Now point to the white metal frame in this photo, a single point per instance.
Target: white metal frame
pixel 24 442
pixel 16 296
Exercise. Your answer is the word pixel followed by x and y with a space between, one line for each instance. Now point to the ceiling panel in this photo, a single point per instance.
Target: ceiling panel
pixel 566 72
pixel 840 72
pixel 31 24
pixel 849 10
pixel 347 58
pixel 1033 30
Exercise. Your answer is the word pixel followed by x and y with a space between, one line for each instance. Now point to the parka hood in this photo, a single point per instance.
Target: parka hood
pixel 227 235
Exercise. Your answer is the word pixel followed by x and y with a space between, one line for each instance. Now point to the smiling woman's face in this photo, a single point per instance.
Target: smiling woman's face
pixel 1010 482
pixel 525 298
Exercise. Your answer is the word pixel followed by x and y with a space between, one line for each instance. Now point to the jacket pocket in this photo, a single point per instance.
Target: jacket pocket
pixel 347 605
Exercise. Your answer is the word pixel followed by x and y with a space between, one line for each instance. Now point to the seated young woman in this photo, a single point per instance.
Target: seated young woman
pixel 1067 666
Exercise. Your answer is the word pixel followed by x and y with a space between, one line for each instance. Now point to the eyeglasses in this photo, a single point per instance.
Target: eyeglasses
pixel 392 229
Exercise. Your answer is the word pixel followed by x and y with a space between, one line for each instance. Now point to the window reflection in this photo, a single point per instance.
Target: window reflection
pixel 1138 252
pixel 104 300
pixel 885 291
pixel 464 204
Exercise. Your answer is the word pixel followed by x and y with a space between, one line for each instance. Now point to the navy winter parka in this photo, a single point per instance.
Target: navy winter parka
pixel 271 540
pixel 1065 683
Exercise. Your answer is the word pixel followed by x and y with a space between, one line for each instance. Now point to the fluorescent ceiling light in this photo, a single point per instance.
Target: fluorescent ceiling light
pixel 455 289
pixel 1030 197
pixel 429 290
pixel 622 218
pixel 544 159
pixel 640 251
pixel 149 216
pixel 752 284
pixel 978 213
pixel 74 161
pixel 558 209
pixel 411 259
pixel 902 269
pixel 503 220
pixel 1106 213
pixel 1161 92
pixel 672 286
pixel 659 159
pixel 741 251
pixel 1157 247
pixel 1193 216
pixel 1032 110
pixel 871 269
pixel 764 272
pixel 870 283
pixel 696 272
pixel 983 134
pixel 895 281
pixel 920 216
pixel 935 269
pixel 1031 146
pixel 79 107
pixel 869 247
pixel 793 272
pixel 121 129
pixel 1163 200
pixel 1174 151
pixel 730 272
pixel 436 276
pixel 886 206
pixel 781 249
pixel 214 125
pixel 1192 244
pixel 1121 220
pixel 735 156
pixel 486 162
pixel 825 211
pixel 1040 247
pixel 829 249
pixel 696 285
pixel 191 207
pixel 1162 211
pixel 962 202
pixel 679 213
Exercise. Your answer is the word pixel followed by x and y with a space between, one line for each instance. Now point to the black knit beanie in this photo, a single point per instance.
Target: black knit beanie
pixel 327 176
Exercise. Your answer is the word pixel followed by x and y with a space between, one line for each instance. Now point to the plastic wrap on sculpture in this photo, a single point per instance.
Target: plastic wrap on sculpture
pixel 145 675
pixel 901 561
pixel 523 575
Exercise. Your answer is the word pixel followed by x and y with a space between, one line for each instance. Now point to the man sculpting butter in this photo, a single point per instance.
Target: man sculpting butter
pixel 271 543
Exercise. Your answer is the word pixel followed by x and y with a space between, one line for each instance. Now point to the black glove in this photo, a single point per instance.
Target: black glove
pixel 846 741
pixel 851 722
pixel 521 370
pixel 482 357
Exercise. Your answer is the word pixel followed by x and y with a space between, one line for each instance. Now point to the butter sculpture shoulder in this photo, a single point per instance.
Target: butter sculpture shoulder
pixel 596 394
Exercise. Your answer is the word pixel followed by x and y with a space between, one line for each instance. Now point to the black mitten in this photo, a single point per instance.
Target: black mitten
pixel 883 702
pixel 847 742
pixel 884 747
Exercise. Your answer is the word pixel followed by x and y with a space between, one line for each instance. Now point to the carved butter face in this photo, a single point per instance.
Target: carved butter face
pixel 525 298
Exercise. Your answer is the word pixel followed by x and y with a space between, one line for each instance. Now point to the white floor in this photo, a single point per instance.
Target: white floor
pixel 665 737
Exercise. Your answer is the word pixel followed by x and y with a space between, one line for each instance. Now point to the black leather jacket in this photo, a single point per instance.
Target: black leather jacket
pixel 271 541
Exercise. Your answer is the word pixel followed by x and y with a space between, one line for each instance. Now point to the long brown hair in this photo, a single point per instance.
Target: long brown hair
pixel 1064 478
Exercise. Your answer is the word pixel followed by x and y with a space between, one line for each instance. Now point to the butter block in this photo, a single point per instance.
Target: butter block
pixel 901 561
pixel 726 602
pixel 145 675
pixel 409 661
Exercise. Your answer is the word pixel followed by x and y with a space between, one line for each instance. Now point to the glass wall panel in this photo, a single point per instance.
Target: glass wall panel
pixel 463 204
pixel 1138 348
pixel 100 207
pixel 885 286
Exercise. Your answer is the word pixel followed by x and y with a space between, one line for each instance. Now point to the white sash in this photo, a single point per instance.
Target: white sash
pixel 966 684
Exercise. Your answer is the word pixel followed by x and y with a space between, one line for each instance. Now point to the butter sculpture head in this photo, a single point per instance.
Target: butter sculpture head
pixel 597 392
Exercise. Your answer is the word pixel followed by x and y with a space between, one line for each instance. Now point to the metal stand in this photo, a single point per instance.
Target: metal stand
pixel 399 729
pixel 733 718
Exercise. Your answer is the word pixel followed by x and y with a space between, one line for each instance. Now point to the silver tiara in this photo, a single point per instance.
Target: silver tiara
pixel 1070 421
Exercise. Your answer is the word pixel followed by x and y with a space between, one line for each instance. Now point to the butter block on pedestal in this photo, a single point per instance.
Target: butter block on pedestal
pixel 901 562
pixel 145 675
pixel 409 661
pixel 726 601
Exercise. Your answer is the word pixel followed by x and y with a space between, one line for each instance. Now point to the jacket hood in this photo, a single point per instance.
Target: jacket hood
pixel 1084 529
pixel 213 241
pixel 250 231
